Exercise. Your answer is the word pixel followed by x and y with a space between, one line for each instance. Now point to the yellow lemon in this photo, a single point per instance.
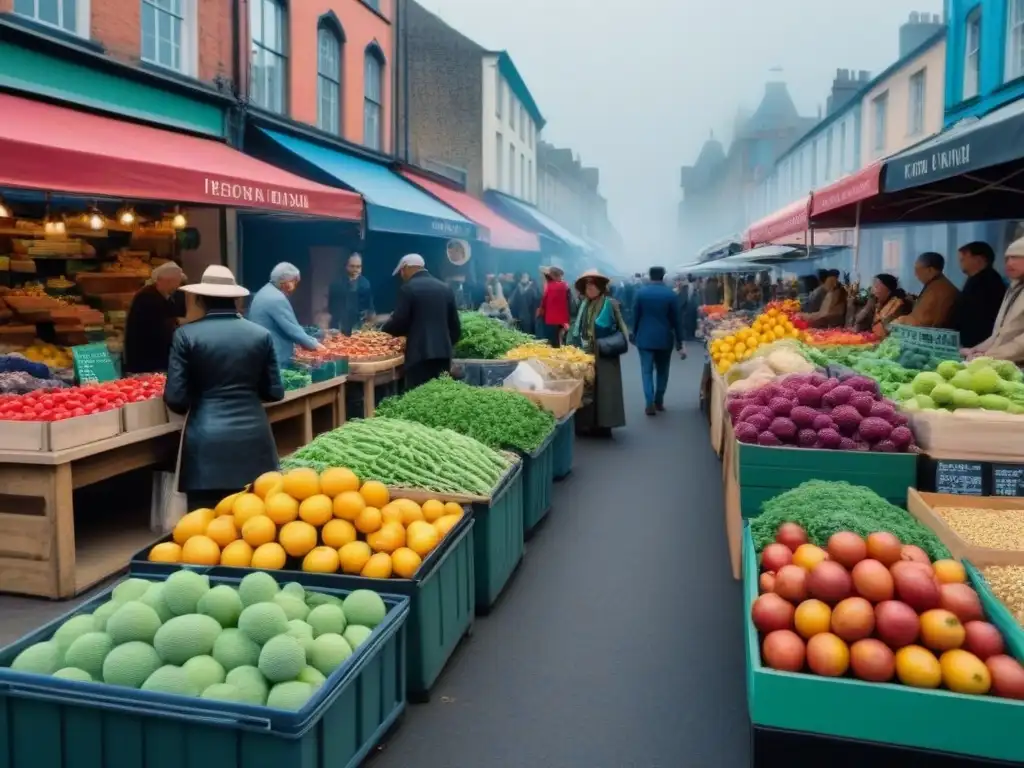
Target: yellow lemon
pixel 237 554
pixel 411 511
pixel 432 509
pixel 246 507
pixel 259 530
pixel 739 349
pixel 390 537
pixel 265 482
pixel 375 494
pixel 317 509
pixel 297 538
pixel 369 520
pixel 338 533
pixel 377 567
pixel 453 508
pixel 301 483
pixel 353 556
pixel 321 560
pixel 391 513
pixel 226 506
pixel 165 552
pixel 445 524
pixel 348 505
pixel 200 550
pixel 269 556
pixel 192 524
pixel 405 562
pixel 338 480
pixel 281 508
pixel 421 538
pixel 222 530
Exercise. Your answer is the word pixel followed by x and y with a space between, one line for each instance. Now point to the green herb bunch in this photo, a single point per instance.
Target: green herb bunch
pixel 486 338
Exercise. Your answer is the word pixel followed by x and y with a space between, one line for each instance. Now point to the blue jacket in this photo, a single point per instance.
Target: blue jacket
pixel 350 303
pixel 657 323
pixel 271 309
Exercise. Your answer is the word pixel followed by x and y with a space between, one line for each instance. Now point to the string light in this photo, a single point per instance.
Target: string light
pixel 95 219
pixel 126 216
pixel 179 221
pixel 5 212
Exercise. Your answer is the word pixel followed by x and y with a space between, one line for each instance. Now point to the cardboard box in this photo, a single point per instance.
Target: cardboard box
pixel 559 397
pixel 144 415
pixel 922 507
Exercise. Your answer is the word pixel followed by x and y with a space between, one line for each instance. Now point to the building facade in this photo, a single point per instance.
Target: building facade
pixel 568 192
pixel 511 124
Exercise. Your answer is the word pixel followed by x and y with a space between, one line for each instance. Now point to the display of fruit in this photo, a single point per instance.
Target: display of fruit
pixel 259 644
pixel 565 362
pixel 327 522
pixel 991 385
pixel 714 310
pixel 363 345
pixel 829 337
pixel 71 402
pixel 879 611
pixel 736 347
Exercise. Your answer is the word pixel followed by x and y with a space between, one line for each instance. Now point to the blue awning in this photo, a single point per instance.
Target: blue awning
pixel 526 215
pixel 392 203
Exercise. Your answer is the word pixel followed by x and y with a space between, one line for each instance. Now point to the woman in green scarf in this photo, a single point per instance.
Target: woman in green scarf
pixel 599 316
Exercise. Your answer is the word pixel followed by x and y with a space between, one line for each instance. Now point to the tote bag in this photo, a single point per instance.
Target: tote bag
pixel 168 504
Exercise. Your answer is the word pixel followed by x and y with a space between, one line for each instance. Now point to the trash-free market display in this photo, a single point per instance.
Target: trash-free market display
pixel 485 338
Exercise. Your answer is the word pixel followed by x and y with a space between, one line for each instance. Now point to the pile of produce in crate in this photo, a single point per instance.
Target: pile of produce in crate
pixel 1007 584
pixel 487 338
pixel 830 337
pixel 565 362
pixel 880 610
pixel 405 454
pixel 767 328
pixel 295 379
pixel 499 418
pixel 767 364
pixel 813 411
pixel 326 522
pixel 53 404
pixel 364 345
pixel 992 385
pixel 257 644
pixel 714 310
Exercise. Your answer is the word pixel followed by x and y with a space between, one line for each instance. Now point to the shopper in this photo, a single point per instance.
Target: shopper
pixel 153 317
pixel 350 297
pixel 937 300
pixel 657 330
pixel 553 314
pixel 524 301
pixel 271 308
pixel 975 312
pixel 816 291
pixel 599 319
pixel 832 313
pixel 1007 339
pixel 887 302
pixel 426 315
pixel 222 369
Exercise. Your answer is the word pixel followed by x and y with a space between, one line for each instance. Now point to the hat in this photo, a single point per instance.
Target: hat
pixel 1015 250
pixel 217 282
pixel 409 260
pixel 591 274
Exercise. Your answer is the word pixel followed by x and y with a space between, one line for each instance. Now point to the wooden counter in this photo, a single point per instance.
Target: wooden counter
pixel 39 552
pixel 372 375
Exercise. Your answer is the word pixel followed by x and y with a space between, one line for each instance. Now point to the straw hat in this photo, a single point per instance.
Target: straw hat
pixel 217 282
pixel 591 275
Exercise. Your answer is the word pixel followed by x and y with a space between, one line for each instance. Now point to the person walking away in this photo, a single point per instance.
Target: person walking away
pixel 350 298
pixel 425 313
pixel 832 313
pixel 553 314
pixel 524 301
pixel 221 370
pixel 974 314
pixel 937 300
pixel 272 310
pixel 600 318
pixel 1007 339
pixel 657 330
pixel 887 302
pixel 153 317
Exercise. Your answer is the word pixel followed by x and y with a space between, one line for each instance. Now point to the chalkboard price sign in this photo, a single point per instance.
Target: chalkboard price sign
pixel 93 364
pixel 958 477
pixel 938 341
pixel 1007 480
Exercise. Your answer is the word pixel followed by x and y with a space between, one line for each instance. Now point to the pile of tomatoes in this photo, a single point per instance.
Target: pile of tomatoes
pixel 830 337
pixel 60 404
pixel 364 344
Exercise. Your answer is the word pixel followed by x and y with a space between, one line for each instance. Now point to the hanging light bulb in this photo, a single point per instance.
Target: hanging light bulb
pixel 54 225
pixel 179 221
pixel 95 220
pixel 126 216
pixel 5 212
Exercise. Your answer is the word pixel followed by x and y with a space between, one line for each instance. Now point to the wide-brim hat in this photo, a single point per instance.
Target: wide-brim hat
pixel 594 275
pixel 217 282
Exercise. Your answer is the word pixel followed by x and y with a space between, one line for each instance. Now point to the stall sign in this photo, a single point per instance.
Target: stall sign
pixel 958 477
pixel 1007 480
pixel 93 364
pixel 940 342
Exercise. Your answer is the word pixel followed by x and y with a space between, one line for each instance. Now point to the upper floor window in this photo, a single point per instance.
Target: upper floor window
pixel 328 78
pixel 880 110
pixel 63 14
pixel 499 92
pixel 915 119
pixel 373 98
pixel 972 54
pixel 842 148
pixel 522 123
pixel 511 110
pixel 531 133
pixel 164 39
pixel 269 52
pixel 1014 40
pixel 499 160
pixel 511 169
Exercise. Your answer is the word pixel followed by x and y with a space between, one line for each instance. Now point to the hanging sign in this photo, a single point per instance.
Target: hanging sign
pixel 458 252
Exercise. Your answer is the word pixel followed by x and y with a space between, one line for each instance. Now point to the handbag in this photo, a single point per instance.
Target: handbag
pixel 168 504
pixel 610 341
pixel 614 345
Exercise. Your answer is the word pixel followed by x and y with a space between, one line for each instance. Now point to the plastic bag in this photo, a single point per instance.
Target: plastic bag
pixel 525 377
pixel 168 505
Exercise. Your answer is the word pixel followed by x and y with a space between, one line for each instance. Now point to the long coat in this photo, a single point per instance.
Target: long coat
pixel 221 370
pixel 426 315
pixel 606 409
pixel 657 322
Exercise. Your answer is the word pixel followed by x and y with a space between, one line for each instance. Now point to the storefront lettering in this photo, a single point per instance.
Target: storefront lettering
pixel 446 227
pixel 279 198
pixel 946 160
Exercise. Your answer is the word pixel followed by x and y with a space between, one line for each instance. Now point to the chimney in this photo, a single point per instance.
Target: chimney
pixel 918 28
pixel 847 84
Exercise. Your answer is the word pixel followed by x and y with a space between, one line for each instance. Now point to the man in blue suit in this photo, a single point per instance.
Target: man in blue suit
pixel 657 330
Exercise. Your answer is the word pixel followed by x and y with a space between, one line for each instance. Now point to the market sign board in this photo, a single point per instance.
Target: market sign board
pixel 93 364
pixel 940 342
pixel 963 478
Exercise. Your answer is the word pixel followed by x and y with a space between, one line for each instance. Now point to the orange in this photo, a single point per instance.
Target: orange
pixel 432 509
pixel 949 572
pixel 453 508
pixel 348 505
pixel 389 538
pixel 338 480
pixel 375 493
pixel 226 505
pixel 269 556
pixel 963 672
pixel 281 508
pixel 321 560
pixel 369 520
pixel 317 509
pixel 353 556
pixel 377 567
pixel 338 533
pixel 421 537
pixel 297 538
pixel 446 523
pixel 918 667
pixel 192 524
pixel 165 552
pixel 812 618
pixel 222 530
pixel 237 554
pixel 941 630
pixel 411 511
pixel 200 550
pixel 259 530
pixel 807 556
pixel 405 562
pixel 247 506
pixel 391 512
pixel 301 483
pixel 265 483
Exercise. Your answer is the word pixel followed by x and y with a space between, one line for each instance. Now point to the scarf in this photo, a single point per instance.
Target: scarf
pixel 595 319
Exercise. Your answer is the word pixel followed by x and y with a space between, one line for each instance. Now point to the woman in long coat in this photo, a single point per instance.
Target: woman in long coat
pixel 221 370
pixel 599 316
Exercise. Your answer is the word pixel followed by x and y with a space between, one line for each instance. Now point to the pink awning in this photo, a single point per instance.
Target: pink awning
pixel 847 191
pixel 794 218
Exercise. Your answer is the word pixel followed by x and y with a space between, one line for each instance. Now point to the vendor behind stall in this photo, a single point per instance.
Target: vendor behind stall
pixel 974 315
pixel 887 302
pixel 833 306
pixel 350 297
pixel 153 317
pixel 937 300
pixel 271 309
pixel 1007 339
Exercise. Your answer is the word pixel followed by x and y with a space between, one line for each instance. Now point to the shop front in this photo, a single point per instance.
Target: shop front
pixel 559 246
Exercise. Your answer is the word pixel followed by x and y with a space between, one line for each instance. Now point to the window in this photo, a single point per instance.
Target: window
pixel 1014 40
pixel 522 123
pixel 511 169
pixel 328 78
pixel 915 120
pixel 499 159
pixel 972 54
pixel 163 24
pixel 880 107
pixel 512 110
pixel 499 92
pixel 373 99
pixel 530 133
pixel 64 14
pixel 267 19
pixel 829 165
pixel 530 181
pixel 524 182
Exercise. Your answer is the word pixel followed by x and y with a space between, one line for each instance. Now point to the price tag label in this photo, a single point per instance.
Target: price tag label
pixel 940 342
pixel 93 364
pixel 1007 480
pixel 962 478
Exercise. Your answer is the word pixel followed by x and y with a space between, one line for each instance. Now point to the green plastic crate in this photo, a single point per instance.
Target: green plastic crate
pixel 942 721
pixel 764 472
pixel 538 481
pixel 997 612
pixel 498 539
pixel 565 446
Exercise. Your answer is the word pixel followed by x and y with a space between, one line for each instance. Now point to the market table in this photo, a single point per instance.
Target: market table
pixel 40 553
pixel 373 374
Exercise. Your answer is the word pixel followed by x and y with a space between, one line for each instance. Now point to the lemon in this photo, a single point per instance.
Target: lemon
pixel 405 562
pixel 378 567
pixel 269 556
pixel 353 556
pixel 321 560
pixel 165 552
pixel 237 554
pixel 192 524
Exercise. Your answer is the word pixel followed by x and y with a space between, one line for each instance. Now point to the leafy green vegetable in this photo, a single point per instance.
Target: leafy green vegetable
pixel 405 454
pixel 824 508
pixel 499 418
pixel 486 338
pixel 293 379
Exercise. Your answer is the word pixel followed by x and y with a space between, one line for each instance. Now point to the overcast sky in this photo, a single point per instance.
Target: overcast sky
pixel 636 87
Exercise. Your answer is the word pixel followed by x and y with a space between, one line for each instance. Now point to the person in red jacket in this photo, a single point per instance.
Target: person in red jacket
pixel 554 307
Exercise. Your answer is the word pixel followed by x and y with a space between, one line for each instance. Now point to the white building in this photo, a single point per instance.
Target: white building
pixel 511 130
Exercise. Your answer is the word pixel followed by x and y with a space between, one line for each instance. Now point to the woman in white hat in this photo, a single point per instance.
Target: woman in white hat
pixel 221 370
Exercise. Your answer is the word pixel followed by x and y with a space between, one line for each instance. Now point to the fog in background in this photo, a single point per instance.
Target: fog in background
pixel 636 87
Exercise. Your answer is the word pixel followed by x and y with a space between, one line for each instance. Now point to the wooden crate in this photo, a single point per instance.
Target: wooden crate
pixel 24 436
pixel 984 435
pixel 922 506
pixel 149 413
pixel 82 430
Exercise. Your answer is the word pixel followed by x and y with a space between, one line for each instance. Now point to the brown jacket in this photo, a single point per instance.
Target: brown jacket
pixel 934 307
pixel 833 310
pixel 1007 339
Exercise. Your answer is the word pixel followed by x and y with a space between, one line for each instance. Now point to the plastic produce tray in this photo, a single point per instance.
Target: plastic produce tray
pixel 498 539
pixel 538 479
pixel 564 447
pixel 47 722
pixel 881 713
